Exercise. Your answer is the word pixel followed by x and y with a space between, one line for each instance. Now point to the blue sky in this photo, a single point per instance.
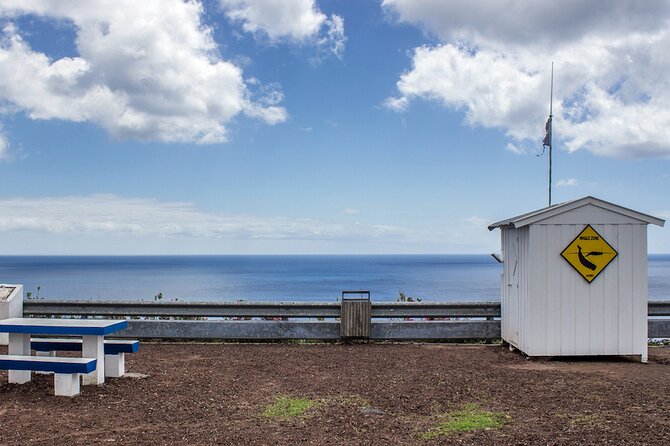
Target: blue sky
pixel 247 126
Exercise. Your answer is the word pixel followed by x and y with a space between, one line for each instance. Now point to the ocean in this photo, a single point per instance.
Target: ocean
pixel 271 277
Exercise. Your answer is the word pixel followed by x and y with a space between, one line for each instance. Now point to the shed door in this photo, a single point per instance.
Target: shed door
pixel 512 311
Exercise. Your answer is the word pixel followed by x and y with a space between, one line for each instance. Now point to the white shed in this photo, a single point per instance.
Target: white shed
pixel 574 279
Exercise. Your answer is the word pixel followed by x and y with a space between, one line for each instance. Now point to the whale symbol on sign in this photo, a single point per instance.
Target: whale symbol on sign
pixel 582 251
pixel 584 261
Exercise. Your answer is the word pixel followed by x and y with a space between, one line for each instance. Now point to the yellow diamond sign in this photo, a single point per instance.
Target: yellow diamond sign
pixel 589 253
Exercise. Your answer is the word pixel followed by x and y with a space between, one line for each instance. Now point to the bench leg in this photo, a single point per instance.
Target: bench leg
pixel 51 353
pixel 19 376
pixel 115 365
pixel 66 384
pixel 19 344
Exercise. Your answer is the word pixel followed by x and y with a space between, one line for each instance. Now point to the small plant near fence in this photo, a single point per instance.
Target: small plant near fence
pixel 402 297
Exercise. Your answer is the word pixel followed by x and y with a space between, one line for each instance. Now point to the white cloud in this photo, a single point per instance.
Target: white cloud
pixel 295 21
pixel 146 70
pixel 351 211
pixel 114 215
pixel 570 182
pixel 4 146
pixel 516 149
pixel 528 22
pixel 611 89
pixel 477 221
pixel 397 104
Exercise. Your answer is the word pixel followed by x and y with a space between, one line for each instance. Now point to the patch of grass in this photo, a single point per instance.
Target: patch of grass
pixel 584 420
pixel 470 418
pixel 289 407
pixel 580 419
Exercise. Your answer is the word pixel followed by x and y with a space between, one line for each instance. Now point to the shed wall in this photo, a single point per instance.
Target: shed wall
pixel 567 315
pixel 514 284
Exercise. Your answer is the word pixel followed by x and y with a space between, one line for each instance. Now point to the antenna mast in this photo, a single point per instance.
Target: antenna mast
pixel 549 125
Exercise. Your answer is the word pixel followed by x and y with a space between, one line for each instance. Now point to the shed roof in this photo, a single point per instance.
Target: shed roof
pixel 544 213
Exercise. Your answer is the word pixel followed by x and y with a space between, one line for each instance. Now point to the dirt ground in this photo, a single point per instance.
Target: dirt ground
pixel 374 394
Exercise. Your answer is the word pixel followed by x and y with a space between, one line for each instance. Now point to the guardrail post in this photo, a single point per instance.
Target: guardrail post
pixel 355 315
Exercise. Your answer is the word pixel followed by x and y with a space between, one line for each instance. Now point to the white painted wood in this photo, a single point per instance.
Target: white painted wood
pixel 537 296
pixel 519 330
pixel 66 384
pixel 524 273
pixel 611 294
pixel 582 302
pixel 596 322
pixel 505 297
pixel 94 347
pixel 567 208
pixel 516 288
pixel 625 280
pixel 554 290
pixel 592 214
pixel 509 300
pixel 640 291
pixel 549 309
pixel 568 307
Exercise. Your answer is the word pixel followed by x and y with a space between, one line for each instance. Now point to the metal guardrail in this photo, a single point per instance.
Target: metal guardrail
pixel 175 319
pixel 659 308
pixel 258 309
pixel 182 309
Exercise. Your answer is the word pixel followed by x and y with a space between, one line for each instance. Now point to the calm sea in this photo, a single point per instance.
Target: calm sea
pixel 287 278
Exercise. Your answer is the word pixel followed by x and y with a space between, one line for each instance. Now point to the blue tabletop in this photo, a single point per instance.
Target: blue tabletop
pixel 75 327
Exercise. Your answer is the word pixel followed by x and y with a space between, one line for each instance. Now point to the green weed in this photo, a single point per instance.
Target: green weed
pixel 288 407
pixel 584 420
pixel 470 418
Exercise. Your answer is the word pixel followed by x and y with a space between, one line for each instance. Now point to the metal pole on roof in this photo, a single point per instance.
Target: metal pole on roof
pixel 546 142
pixel 549 123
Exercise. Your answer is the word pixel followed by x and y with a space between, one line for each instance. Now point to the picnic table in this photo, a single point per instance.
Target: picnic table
pixel 92 332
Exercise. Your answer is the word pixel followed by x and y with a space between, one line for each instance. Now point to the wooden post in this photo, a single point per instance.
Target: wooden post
pixel 355 315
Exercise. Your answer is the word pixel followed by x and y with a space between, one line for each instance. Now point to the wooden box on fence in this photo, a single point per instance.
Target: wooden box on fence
pixel 574 280
pixel 355 315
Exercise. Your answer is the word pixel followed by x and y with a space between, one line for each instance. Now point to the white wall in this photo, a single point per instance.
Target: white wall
pixel 569 316
pixel 514 283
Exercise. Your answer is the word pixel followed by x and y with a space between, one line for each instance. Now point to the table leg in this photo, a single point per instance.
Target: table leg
pixel 94 347
pixel 19 344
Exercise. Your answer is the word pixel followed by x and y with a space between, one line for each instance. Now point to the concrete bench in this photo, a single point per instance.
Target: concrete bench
pixel 115 350
pixel 66 370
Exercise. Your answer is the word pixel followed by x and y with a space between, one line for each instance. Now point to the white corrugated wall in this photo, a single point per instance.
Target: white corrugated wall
pixel 565 315
pixel 514 283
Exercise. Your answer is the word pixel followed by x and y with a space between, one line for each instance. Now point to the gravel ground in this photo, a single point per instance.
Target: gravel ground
pixel 368 394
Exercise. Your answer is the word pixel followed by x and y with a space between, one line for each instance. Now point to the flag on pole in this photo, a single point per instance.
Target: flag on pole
pixel 547 137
